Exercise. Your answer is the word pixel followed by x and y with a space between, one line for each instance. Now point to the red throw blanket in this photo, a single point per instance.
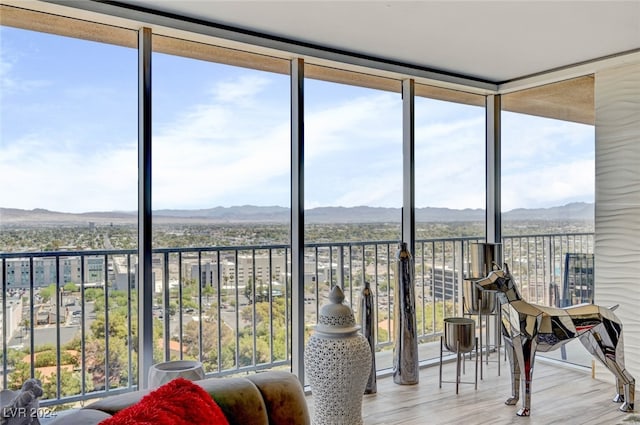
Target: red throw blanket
pixel 178 402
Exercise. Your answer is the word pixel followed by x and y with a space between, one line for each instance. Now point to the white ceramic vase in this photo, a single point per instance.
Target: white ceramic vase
pixel 161 373
pixel 337 363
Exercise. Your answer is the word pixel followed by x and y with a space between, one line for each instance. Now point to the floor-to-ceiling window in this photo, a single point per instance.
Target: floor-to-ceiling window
pixel 548 178
pixel 449 199
pixel 220 195
pixel 353 189
pixel 68 155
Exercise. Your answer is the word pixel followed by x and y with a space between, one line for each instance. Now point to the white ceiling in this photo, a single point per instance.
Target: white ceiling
pixel 496 41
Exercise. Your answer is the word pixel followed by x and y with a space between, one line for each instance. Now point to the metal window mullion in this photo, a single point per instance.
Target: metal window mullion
pixel 408 164
pixel 493 166
pixel 145 266
pixel 297 217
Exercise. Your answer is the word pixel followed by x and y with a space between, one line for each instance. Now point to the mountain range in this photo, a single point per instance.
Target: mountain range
pixel 577 211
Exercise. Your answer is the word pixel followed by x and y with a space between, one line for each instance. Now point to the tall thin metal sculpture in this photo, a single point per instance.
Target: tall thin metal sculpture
pixel 405 353
pixel 368 326
pixel 528 328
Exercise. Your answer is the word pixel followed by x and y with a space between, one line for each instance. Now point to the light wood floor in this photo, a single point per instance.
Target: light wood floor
pixel 560 395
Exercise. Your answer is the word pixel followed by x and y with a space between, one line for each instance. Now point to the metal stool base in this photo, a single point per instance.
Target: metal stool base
pixel 459 358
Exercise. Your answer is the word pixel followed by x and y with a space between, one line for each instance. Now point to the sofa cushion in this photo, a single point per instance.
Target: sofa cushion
pixel 178 402
pixel 239 399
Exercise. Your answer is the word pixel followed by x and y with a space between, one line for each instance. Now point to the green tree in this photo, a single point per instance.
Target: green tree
pixel 48 292
pixel 248 289
pixel 21 372
pixel 209 344
pixel 70 287
pixel 208 291
pixel 92 294
pixel 270 320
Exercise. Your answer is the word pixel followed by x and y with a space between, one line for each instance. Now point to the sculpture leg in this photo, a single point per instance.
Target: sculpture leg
pixel 515 374
pixel 619 397
pixel 613 359
pixel 629 396
pixel 526 352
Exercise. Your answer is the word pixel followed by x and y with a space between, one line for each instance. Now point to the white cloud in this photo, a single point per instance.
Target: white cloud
pixel 550 186
pixel 36 175
pixel 233 148
pixel 546 162
pixel 225 152
pixel 11 83
pixel 243 90
pixel 351 124
pixel 353 151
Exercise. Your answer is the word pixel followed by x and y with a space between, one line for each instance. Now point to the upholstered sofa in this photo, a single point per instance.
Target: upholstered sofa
pixel 265 398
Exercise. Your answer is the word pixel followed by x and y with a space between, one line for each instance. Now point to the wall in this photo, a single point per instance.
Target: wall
pixel 617 213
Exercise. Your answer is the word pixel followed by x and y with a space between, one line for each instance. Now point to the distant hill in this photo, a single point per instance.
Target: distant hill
pixel 574 211
pixel 578 211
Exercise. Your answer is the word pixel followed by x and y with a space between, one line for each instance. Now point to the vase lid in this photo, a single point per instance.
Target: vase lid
pixel 336 317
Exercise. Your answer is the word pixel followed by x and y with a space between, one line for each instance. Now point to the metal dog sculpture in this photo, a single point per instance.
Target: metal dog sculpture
pixel 528 328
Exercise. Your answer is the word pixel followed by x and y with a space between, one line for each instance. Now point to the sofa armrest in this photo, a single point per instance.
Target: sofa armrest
pixel 284 397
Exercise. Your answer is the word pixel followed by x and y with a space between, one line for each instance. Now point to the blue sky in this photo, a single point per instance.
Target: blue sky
pixel 221 138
